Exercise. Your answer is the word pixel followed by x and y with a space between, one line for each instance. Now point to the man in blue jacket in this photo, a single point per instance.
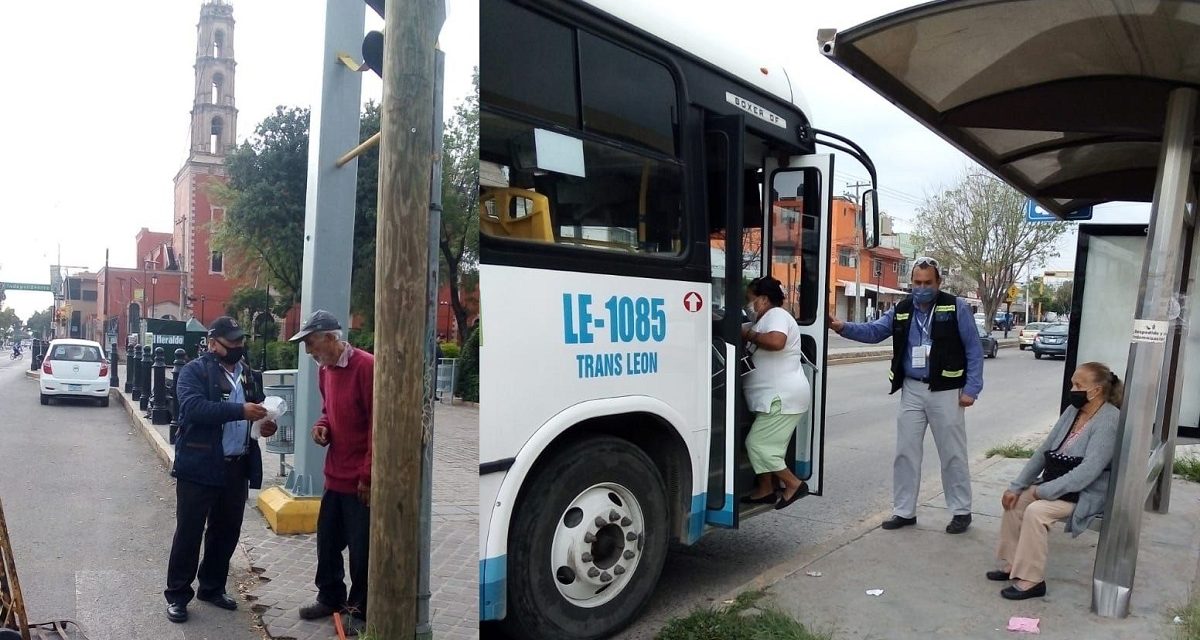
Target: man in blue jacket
pixel 216 461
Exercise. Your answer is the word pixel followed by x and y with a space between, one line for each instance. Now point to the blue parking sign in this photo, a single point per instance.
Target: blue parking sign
pixel 1035 213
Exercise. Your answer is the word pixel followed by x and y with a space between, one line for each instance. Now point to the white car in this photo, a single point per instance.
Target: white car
pixel 74 369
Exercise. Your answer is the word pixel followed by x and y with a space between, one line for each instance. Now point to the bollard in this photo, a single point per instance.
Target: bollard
pixel 114 377
pixel 136 360
pixel 130 370
pixel 33 350
pixel 144 379
pixel 160 413
pixel 177 367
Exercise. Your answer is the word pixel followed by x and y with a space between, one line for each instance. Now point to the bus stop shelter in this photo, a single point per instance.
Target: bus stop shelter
pixel 1074 103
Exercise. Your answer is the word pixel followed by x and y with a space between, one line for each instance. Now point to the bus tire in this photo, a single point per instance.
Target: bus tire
pixel 573 482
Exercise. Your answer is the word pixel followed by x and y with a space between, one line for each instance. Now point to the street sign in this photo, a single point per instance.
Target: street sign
pixel 1035 213
pixel 24 286
pixel 1013 292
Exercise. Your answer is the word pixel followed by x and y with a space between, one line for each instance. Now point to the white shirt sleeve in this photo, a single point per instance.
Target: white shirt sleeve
pixel 775 320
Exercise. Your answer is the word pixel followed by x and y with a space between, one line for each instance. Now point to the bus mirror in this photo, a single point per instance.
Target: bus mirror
pixel 870 219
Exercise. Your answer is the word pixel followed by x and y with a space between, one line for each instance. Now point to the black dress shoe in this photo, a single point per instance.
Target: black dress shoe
pixel 316 611
pixel 221 600
pixel 959 524
pixel 1011 592
pixel 999 576
pixel 800 493
pixel 177 612
pixel 896 522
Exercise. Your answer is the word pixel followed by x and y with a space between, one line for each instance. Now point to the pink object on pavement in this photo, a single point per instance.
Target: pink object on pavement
pixel 1026 625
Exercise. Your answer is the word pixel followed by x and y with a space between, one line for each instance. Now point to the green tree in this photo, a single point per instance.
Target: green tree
pixel 40 322
pixel 262 232
pixel 459 242
pixel 10 323
pixel 247 302
pixel 978 226
pixel 1063 295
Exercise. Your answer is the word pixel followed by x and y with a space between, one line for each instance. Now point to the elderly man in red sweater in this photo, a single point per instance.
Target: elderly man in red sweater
pixel 346 380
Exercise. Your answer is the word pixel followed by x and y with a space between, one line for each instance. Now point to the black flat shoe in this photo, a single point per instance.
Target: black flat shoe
pixel 221 600
pixel 896 522
pixel 999 576
pixel 800 493
pixel 770 498
pixel 1013 593
pixel 959 524
pixel 177 613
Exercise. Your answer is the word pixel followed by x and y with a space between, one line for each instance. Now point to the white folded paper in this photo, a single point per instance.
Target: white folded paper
pixel 275 407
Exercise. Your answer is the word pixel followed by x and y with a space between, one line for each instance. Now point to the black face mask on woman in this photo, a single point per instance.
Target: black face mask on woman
pixel 1078 399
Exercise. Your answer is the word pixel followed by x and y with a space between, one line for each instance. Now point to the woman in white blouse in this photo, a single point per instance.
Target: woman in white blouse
pixel 777 390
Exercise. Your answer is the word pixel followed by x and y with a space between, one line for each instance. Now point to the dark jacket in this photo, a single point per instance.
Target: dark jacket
pixel 947 355
pixel 203 410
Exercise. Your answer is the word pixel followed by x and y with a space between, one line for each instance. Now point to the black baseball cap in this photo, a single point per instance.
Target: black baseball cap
pixel 226 328
pixel 320 320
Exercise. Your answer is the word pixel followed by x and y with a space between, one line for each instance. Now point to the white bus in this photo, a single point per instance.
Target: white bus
pixel 634 178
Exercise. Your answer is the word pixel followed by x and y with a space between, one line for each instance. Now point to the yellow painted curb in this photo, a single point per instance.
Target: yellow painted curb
pixel 287 513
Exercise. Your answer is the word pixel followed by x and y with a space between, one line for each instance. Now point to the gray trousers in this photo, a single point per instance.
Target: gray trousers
pixel 939 409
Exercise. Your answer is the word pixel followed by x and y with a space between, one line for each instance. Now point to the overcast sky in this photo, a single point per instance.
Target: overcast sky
pixel 96 114
pixel 98 94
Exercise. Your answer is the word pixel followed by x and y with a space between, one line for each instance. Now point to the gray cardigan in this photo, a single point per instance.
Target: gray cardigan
pixel 1095 445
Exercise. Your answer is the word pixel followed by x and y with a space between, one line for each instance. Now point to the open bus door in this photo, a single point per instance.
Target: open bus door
pixel 791 245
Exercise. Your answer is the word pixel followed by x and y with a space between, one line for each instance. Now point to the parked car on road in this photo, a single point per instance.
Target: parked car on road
pixel 1028 333
pixel 1051 340
pixel 74 369
pixel 990 345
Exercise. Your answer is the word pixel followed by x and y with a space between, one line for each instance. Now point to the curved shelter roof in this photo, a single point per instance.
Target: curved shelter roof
pixel 1065 99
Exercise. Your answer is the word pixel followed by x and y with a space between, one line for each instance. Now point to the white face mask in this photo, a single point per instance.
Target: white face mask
pixel 750 313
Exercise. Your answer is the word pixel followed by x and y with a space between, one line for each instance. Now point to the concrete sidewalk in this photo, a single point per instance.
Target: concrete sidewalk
pixel 933 583
pixel 285 565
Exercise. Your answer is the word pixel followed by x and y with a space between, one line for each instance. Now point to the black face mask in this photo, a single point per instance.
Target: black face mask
pixel 233 355
pixel 1078 399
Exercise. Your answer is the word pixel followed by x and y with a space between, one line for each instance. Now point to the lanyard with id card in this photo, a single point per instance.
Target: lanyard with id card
pixel 920 353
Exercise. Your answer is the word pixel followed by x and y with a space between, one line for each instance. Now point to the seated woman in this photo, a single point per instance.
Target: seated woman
pixel 776 390
pixel 1073 464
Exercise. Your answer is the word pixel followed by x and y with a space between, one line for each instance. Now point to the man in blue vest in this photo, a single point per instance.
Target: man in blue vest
pixel 937 362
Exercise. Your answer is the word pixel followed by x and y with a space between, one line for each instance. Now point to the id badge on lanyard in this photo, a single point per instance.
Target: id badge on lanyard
pixel 920 353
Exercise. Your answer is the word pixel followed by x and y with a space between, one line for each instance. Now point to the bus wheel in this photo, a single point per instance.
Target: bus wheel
pixel 587 542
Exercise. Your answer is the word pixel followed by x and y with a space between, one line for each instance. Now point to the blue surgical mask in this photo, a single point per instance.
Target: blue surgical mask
pixel 924 295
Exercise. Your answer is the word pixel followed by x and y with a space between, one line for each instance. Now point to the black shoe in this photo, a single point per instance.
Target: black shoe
pixel 999 576
pixel 896 522
pixel 316 611
pixel 1011 592
pixel 959 524
pixel 770 498
pixel 177 613
pixel 800 493
pixel 221 600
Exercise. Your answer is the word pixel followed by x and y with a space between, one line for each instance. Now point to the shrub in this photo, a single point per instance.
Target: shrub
pixel 362 339
pixel 450 349
pixel 468 366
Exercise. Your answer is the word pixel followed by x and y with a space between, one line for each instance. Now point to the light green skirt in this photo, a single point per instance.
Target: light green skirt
pixel 767 441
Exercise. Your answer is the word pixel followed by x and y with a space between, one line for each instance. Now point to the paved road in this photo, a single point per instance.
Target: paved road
pixel 1020 395
pixel 91 513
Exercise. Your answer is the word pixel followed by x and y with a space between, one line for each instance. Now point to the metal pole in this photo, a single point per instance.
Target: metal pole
pixel 144 378
pixel 406 160
pixel 328 220
pixel 424 629
pixel 1116 555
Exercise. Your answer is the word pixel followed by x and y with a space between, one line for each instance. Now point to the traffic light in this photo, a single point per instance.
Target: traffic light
pixel 372 46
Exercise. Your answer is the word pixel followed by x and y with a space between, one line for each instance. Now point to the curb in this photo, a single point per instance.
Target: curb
pixel 162 448
pixel 875 356
pixel 33 375
pixel 800 562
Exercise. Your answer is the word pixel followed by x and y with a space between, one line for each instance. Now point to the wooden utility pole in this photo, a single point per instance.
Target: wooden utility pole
pixel 401 265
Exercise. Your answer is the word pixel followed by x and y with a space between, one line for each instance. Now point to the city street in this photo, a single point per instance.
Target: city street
pixel 91 512
pixel 1020 396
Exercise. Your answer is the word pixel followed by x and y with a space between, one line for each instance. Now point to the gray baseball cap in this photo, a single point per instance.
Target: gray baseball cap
pixel 320 320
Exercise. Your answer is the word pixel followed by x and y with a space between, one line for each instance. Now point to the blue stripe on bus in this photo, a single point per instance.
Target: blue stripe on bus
pixel 493 576
pixel 696 518
pixel 724 516
pixel 802 468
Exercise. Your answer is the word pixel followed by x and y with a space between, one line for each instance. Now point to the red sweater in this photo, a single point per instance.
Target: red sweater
pixel 347 403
